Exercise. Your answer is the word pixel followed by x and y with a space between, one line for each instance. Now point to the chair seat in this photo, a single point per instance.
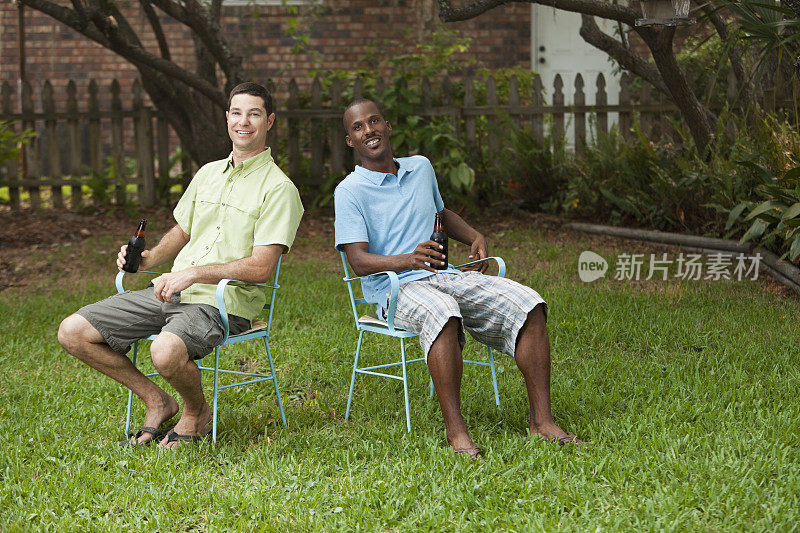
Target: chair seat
pixel 372 320
pixel 256 325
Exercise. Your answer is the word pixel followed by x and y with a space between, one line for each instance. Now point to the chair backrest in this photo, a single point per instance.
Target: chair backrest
pixel 270 303
pixel 350 280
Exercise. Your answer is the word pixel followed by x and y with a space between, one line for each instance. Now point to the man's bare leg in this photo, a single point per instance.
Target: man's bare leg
pixel 172 361
pixel 533 359
pixel 446 366
pixel 81 339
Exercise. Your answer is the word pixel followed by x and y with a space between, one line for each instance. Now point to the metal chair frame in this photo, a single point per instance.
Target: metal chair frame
pixel 387 327
pixel 260 333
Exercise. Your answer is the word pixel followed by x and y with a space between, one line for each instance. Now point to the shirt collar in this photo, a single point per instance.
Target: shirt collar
pixel 249 164
pixel 378 177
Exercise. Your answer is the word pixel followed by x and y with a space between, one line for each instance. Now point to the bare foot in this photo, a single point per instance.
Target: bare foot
pixel 463 444
pixel 158 412
pixel 191 425
pixel 551 432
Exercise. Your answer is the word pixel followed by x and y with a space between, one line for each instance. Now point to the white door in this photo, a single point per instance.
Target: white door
pixel 558 48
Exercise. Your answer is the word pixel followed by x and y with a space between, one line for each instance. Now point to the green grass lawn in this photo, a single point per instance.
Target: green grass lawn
pixel 686 392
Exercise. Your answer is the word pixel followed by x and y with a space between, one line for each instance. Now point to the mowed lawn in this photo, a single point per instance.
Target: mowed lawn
pixel 686 393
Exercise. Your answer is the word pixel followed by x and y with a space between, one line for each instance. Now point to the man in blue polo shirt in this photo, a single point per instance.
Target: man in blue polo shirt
pixel 384 216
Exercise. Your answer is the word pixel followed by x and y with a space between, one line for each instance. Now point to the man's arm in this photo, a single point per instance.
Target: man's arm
pixel 458 229
pixel 166 250
pixel 365 263
pixel 255 269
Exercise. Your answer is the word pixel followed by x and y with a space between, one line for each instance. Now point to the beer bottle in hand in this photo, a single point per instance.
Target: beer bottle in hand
pixel 440 237
pixel 133 255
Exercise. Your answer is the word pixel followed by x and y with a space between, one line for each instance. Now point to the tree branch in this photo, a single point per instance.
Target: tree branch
pixel 627 59
pixel 734 53
pixel 620 13
pixel 196 16
pixel 157 29
pixel 108 36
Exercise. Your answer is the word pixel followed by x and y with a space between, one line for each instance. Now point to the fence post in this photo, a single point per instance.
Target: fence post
pixel 579 99
pixel 143 138
pixel 12 165
pixel 601 99
pixel 537 103
pixel 625 117
pixel 514 100
pixel 317 134
pixel 645 116
pixel 118 145
pixel 95 146
pixel 336 139
pixel 33 148
pixel 162 148
pixel 491 101
pixel 51 137
pixel 447 103
pixel 74 140
pixel 469 118
pixel 557 132
pixel 294 142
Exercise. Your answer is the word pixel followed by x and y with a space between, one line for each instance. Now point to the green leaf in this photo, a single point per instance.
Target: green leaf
pixel 792 213
pixel 794 251
pixel 735 214
pixel 792 174
pixel 763 207
pixel 462 177
pixel 756 230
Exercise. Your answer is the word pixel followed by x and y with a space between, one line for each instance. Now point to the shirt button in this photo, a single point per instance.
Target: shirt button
pixel 230 180
pixel 206 247
pixel 217 227
pixel 223 203
pixel 192 262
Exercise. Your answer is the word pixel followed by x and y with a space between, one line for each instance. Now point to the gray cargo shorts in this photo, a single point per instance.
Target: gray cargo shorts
pixel 127 317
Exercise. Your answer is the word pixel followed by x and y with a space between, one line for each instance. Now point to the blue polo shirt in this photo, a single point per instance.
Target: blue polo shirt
pixel 393 214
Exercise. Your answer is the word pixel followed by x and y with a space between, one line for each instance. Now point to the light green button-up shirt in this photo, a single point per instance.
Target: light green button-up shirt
pixel 227 210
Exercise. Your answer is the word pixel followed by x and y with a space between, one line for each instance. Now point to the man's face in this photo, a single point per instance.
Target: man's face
pixel 367 131
pixel 248 122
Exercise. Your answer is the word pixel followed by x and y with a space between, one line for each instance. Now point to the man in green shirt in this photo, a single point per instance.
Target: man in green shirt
pixel 235 219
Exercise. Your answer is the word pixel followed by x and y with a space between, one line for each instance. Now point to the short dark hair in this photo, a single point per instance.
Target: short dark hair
pixel 355 102
pixel 254 89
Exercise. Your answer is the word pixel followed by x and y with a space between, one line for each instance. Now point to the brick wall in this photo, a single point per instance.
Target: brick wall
pixel 340 39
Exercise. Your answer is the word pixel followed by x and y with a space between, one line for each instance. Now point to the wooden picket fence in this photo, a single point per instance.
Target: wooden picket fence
pixel 73 146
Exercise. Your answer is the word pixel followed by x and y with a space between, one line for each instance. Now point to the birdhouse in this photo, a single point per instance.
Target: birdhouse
pixel 665 13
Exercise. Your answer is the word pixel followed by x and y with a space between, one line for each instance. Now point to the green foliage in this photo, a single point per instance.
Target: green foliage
pixel 775 217
pixel 11 142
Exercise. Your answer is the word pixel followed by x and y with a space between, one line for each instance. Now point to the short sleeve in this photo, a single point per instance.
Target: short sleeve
pixel 349 224
pixel 437 197
pixel 279 217
pixel 184 211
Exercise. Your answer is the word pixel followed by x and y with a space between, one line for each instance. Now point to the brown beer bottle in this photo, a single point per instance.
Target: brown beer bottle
pixel 440 237
pixel 133 255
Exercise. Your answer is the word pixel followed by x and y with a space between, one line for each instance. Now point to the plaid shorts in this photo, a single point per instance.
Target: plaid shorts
pixel 491 308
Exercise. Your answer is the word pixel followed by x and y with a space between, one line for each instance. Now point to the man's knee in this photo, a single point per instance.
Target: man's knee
pixel 168 353
pixel 449 332
pixel 76 330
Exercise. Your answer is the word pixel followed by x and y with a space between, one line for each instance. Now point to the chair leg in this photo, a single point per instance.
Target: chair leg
pixel 405 384
pixel 275 383
pixel 216 394
pixel 353 378
pixel 130 393
pixel 494 379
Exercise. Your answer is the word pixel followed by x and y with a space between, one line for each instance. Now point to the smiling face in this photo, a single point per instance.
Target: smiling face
pixel 368 133
pixel 248 123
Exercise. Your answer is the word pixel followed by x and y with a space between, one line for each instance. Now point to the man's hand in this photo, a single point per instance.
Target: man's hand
pixel 425 253
pixel 123 251
pixel 478 250
pixel 165 285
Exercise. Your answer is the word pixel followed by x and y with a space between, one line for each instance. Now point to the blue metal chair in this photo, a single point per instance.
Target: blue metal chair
pixel 386 327
pixel 259 330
